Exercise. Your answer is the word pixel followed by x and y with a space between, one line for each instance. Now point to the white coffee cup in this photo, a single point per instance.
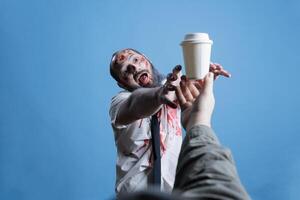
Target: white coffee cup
pixel 196 53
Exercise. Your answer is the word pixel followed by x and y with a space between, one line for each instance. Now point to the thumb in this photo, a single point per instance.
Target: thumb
pixel 208 83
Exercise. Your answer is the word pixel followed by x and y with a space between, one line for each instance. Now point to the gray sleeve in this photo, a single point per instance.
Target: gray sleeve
pixel 205 169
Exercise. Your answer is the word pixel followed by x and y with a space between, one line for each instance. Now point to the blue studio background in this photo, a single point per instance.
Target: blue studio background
pixel 55 136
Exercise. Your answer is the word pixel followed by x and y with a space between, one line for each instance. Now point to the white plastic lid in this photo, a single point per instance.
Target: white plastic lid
pixel 197 37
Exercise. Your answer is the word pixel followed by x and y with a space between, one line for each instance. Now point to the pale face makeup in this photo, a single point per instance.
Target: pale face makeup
pixel 133 69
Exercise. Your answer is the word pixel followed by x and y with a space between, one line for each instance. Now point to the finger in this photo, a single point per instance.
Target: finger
pixel 180 97
pixel 183 78
pixel 212 66
pixel 177 69
pixel 218 66
pixel 222 72
pixel 168 87
pixel 194 91
pixel 171 78
pixel 198 85
pixel 216 72
pixel 208 83
pixel 225 73
pixel 186 92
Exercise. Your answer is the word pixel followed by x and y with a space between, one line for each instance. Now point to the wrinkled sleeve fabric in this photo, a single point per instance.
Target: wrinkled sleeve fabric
pixel 116 103
pixel 205 169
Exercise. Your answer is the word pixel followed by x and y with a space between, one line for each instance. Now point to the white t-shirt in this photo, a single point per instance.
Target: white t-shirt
pixel 134 148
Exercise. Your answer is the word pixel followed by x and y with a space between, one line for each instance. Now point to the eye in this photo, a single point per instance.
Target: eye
pixel 135 60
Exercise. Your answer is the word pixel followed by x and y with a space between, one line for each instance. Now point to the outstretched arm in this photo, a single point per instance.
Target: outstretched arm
pixel 144 102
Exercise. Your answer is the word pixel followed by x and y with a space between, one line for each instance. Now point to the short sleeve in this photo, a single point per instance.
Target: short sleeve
pixel 115 105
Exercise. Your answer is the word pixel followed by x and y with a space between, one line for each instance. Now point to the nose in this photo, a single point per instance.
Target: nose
pixel 131 68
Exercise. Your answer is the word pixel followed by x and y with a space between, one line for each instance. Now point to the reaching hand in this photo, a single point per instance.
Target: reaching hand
pixel 190 89
pixel 166 93
pixel 186 94
pixel 218 70
pixel 196 110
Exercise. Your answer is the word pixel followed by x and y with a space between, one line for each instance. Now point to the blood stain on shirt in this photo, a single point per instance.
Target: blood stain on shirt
pixel 146 143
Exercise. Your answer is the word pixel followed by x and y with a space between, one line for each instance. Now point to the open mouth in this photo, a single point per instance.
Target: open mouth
pixel 142 78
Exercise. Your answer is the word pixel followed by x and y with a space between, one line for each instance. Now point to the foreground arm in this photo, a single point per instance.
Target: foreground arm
pixel 206 170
